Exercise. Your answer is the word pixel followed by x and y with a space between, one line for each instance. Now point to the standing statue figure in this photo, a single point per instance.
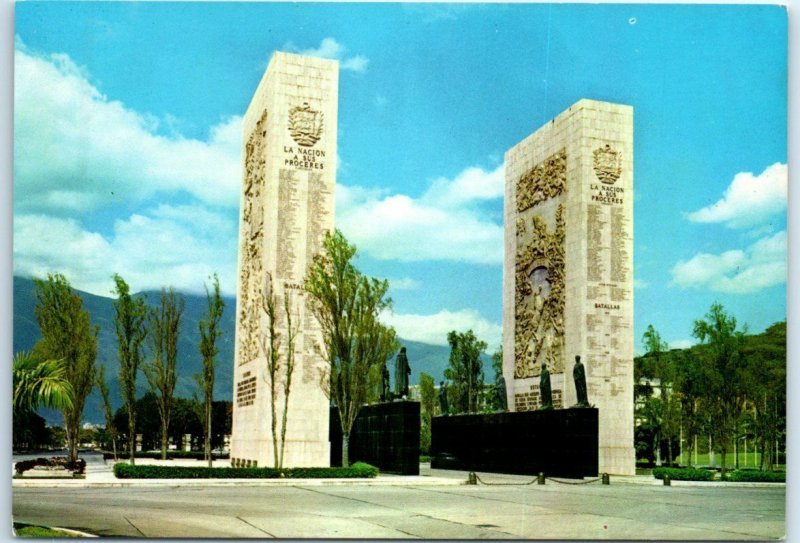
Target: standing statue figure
pixel 579 376
pixel 385 390
pixel 401 372
pixel 443 406
pixel 545 393
pixel 500 394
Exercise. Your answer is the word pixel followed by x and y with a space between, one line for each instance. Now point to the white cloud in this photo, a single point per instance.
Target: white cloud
pixel 640 284
pixel 682 343
pixel 433 329
pixel 443 224
pixel 761 265
pixel 178 246
pixel 404 283
pixel 749 200
pixel 330 48
pixel 77 150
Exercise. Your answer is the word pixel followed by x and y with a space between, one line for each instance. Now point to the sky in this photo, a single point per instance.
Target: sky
pixel 127 144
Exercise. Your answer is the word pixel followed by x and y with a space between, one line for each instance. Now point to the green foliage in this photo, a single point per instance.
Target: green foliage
pixel 756 476
pixel 684 474
pixel 37 532
pixel 164 322
pixel 494 400
pixel 723 373
pixel 347 305
pixel 209 333
pixel 68 336
pixel 129 322
pixel 111 430
pixel 279 357
pixel 40 384
pixel 357 470
pixel 465 371
pixel 427 394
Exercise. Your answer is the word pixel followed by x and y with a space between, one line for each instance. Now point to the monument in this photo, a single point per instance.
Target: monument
pixel 287 206
pixel 568 270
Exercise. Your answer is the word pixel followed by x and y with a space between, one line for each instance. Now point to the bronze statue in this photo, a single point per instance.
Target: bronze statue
pixel 545 393
pixel 401 372
pixel 443 398
pixel 579 376
pixel 386 392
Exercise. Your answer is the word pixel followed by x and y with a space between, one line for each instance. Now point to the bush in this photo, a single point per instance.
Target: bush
pixel 755 476
pixel 77 467
pixel 357 470
pixel 683 474
pixel 424 458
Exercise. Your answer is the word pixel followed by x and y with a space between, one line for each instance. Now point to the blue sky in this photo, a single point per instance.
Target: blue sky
pixel 127 143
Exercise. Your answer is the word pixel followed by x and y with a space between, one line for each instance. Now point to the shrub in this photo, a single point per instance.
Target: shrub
pixel 683 474
pixel 77 467
pixel 755 476
pixel 357 470
pixel 424 458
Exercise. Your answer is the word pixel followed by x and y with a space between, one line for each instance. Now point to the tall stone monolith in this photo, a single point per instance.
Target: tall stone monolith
pixel 568 270
pixel 287 206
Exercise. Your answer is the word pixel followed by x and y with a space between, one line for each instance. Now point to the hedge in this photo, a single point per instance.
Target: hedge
pixel 683 474
pixel 755 476
pixel 171 455
pixel 78 467
pixel 357 470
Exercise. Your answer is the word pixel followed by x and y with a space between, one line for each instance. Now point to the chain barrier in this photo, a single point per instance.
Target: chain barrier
pixel 535 479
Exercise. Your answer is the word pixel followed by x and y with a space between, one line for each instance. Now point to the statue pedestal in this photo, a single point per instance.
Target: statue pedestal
pixel 558 442
pixel 385 435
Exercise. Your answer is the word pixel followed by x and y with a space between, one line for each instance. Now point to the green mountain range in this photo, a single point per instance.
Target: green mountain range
pixel 430 359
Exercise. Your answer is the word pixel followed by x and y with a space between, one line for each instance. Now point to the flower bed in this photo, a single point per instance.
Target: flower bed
pixel 357 470
pixel 56 463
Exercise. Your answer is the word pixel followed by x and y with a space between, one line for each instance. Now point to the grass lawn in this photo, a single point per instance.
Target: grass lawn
pixel 39 532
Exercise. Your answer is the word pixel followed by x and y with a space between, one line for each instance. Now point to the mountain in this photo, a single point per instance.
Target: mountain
pixel 422 357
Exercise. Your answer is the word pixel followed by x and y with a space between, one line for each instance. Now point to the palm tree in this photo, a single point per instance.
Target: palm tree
pixel 40 384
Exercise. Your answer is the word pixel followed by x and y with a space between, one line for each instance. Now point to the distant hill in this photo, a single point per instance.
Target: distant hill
pixel 431 359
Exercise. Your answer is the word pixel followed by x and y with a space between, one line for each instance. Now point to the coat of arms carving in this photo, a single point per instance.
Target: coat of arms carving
pixel 305 125
pixel 607 164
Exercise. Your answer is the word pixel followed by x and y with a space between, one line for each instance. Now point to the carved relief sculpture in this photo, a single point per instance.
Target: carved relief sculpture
pixel 252 242
pixel 607 164
pixel 539 272
pixel 305 125
pixel 544 181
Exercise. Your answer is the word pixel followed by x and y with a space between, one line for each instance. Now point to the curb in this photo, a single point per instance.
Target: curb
pixel 176 483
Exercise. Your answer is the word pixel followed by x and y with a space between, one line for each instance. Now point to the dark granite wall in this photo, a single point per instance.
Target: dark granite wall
pixel 385 435
pixel 559 443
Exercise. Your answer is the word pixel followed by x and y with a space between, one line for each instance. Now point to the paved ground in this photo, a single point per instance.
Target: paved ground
pixel 623 510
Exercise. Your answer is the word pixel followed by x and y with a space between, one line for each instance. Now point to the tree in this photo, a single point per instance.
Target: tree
pixel 111 430
pixel 666 415
pixel 465 370
pixel 765 363
pixel 495 402
pixel 722 358
pixel 130 324
pixel 40 384
pixel 209 333
pixel 165 323
pixel 68 336
pixel 427 396
pixel 280 363
pixel 347 305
